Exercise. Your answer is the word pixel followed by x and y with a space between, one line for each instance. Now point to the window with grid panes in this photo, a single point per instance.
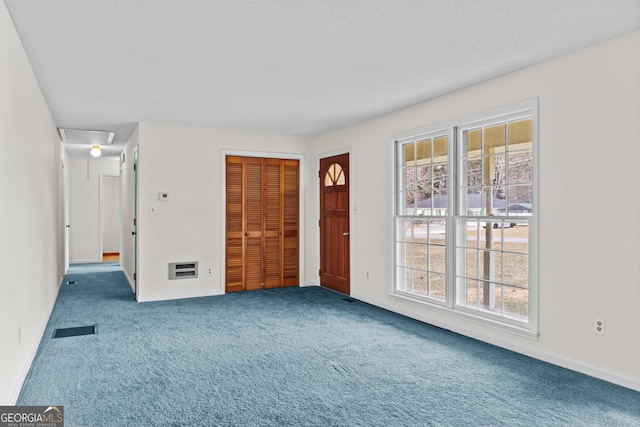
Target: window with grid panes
pixel 464 215
pixel 421 225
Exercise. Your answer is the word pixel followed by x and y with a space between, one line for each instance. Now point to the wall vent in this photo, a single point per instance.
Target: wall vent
pixel 183 270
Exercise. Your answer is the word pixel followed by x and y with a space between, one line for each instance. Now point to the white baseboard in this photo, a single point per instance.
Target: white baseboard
pixel 310 283
pixel 129 280
pixel 554 359
pixel 34 349
pixel 171 297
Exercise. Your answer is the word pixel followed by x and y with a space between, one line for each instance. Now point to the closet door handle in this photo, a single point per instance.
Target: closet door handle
pixel 346 233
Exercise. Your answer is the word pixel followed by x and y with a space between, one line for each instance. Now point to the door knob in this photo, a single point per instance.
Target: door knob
pixel 346 233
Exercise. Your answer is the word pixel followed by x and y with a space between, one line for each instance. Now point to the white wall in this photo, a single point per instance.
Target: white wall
pixel 110 213
pixel 30 254
pixel 589 146
pixel 186 162
pixel 84 207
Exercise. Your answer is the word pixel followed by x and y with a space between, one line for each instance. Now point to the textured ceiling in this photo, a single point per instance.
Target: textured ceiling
pixel 286 66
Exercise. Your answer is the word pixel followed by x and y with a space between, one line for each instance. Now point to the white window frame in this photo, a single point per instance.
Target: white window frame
pixel 453 130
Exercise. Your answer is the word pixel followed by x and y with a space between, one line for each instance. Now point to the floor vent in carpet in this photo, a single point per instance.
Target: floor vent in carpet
pixel 74 332
pixel 71 282
pixel 348 299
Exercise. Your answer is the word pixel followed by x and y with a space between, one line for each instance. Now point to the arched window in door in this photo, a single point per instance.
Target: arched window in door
pixel 334 176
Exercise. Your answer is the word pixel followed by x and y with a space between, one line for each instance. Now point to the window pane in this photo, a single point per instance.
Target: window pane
pixel 437 259
pixel 520 198
pixel 439 202
pixel 520 167
pixel 490 204
pixel 516 238
pixel 495 139
pixel 472 263
pixel 473 142
pixel 423 151
pixel 499 263
pixel 440 171
pixel 420 282
pixel 468 236
pixel 493 170
pixel 471 201
pixel 409 153
pixel 423 203
pixel 407 229
pixel 516 269
pixel 491 236
pixel 516 302
pixel 520 134
pixel 486 297
pixel 440 149
pixel 420 229
pixel 474 173
pixel 409 180
pixel 437 286
pixel 409 202
pixel 437 232
pixel 472 293
pixel 407 250
pixel 423 178
pixel 420 256
pixel 405 279
pixel 497 299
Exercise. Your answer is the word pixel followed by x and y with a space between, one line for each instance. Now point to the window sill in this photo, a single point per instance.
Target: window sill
pixel 467 316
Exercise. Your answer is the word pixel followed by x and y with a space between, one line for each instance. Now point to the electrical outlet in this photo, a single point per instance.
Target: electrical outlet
pixel 367 275
pixel 210 271
pixel 599 326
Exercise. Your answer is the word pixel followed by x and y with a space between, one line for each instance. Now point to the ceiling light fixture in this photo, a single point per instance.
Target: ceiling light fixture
pixel 95 151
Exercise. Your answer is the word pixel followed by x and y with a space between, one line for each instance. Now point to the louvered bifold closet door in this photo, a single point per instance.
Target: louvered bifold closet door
pixel 262 223
pixel 273 223
pixel 254 238
pixel 290 222
pixel 235 225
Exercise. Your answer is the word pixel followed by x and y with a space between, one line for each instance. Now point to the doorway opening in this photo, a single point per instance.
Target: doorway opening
pixel 110 220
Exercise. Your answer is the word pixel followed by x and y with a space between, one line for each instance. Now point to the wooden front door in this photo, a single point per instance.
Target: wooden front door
pixel 334 223
pixel 262 222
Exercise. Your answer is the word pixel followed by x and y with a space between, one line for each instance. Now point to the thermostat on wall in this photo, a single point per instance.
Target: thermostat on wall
pixel 164 197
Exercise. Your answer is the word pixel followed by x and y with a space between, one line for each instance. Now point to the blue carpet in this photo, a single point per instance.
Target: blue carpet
pixel 292 356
